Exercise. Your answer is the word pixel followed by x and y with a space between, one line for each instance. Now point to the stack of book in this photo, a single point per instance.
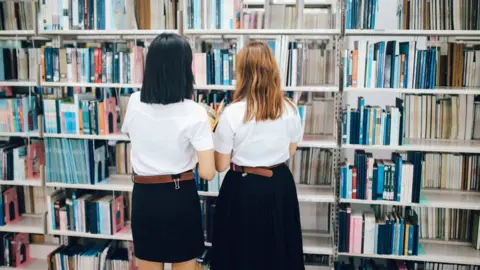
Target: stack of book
pixel 360 14
pixel 310 63
pixel 398 179
pixel 312 166
pixel 215 64
pixel 94 63
pixel 213 14
pixel 253 18
pixel 18 63
pixel 75 161
pixel 446 224
pixel 393 233
pixel 19 161
pixel 87 212
pixel 17 15
pixel 82 114
pixel 371 125
pixel 91 256
pixel 122 158
pixel 451 171
pixel 408 64
pixel 440 117
pixel 18 114
pixel 313 17
pixel 108 15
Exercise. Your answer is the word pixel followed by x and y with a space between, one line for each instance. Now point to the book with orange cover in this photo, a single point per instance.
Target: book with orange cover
pixel 354 68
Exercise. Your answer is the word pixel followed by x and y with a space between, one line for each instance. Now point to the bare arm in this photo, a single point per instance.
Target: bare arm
pixel 206 164
pixel 222 161
pixel 292 149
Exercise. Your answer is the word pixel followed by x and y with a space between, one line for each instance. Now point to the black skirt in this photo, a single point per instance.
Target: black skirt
pixel 257 223
pixel 167 223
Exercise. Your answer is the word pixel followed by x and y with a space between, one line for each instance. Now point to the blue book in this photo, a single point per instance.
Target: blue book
pixel 366 123
pixel 343 181
pixel 374 9
pixel 401 238
pixel 226 79
pixel 197 15
pixel 118 21
pixel 371 50
pixel 348 13
pixel 271 44
pixel 433 68
pixel 344 127
pixel 218 66
pixel 380 64
pixel 398 177
pixel 374 125
pixel 380 179
pixel 2 67
pixel 360 106
pixel 410 239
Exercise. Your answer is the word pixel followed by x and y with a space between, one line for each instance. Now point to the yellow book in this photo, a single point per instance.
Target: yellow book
pixel 406 234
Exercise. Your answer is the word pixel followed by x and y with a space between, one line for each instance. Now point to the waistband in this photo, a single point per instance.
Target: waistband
pixel 163 179
pixel 262 171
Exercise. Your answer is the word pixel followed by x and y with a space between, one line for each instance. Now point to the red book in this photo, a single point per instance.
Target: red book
pixel 354 183
pixel 35 158
pixel 98 65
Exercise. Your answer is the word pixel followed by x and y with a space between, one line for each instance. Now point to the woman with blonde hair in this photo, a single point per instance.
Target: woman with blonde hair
pixel 257 220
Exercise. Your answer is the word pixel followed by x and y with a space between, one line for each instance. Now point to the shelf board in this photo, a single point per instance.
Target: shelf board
pixel 35 264
pixel 18 83
pixel 20 134
pixel 95 85
pixel 318 88
pixel 436 198
pixel 126 236
pixel 30 223
pixel 131 32
pixel 442 90
pixel 318 141
pixel 317 245
pixel 25 182
pixel 112 137
pixel 396 32
pixel 433 252
pixel 316 267
pixel 306 32
pixel 17 32
pixel 290 2
pixel 425 145
pixel 316 194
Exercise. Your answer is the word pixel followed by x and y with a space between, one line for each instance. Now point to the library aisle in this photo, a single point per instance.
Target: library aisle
pixel 388 92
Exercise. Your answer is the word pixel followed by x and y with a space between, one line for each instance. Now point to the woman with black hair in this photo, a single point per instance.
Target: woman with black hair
pixel 169 134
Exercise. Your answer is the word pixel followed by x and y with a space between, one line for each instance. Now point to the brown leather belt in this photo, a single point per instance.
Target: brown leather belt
pixel 163 179
pixel 263 171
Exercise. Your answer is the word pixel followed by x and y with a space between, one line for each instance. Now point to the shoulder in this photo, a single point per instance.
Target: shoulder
pixel 134 99
pixel 193 109
pixel 291 109
pixel 235 109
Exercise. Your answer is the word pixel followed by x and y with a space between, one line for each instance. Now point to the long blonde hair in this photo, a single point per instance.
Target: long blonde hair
pixel 258 83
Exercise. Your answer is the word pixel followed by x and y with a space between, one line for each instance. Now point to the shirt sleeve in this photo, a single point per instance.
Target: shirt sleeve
pixel 128 116
pixel 201 134
pixel 296 128
pixel 224 135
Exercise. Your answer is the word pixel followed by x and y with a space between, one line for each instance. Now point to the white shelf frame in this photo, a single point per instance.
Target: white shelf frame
pixel 396 32
pixel 436 91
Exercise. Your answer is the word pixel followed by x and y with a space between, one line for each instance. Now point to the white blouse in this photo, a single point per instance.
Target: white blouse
pixel 254 143
pixel 165 138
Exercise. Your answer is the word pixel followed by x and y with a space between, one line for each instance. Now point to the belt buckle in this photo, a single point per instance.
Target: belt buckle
pixel 176 180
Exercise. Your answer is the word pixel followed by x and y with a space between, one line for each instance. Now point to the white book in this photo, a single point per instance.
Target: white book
pixel 293 67
pixel 369 233
pixel 362 60
pixel 412 45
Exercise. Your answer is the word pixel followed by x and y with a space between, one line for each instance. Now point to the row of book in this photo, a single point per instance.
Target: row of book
pixel 87 212
pixel 438 15
pixel 15 249
pixel 441 117
pixel 411 64
pixel 317 115
pixel 108 15
pixel 20 161
pixel 451 171
pixel 215 64
pixel 94 63
pixel 16 201
pixel 392 233
pixel 17 15
pixel 19 63
pixel 312 166
pixel 109 255
pixel 233 14
pixel 446 224
pixel 401 265
pixel 398 179
pixel 310 63
pixel 75 161
pixel 18 114
pixel 80 114
pixel 413 14
pixel 372 125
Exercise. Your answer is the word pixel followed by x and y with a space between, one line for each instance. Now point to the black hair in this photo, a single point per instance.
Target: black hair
pixel 168 76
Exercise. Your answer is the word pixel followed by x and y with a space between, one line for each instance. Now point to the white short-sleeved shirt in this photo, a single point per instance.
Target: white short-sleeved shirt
pixel 165 138
pixel 256 144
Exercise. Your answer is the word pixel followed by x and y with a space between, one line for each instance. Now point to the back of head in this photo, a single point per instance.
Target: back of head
pixel 168 76
pixel 258 83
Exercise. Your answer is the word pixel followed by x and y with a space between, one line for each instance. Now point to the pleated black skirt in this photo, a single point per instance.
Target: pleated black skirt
pixel 167 223
pixel 257 223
